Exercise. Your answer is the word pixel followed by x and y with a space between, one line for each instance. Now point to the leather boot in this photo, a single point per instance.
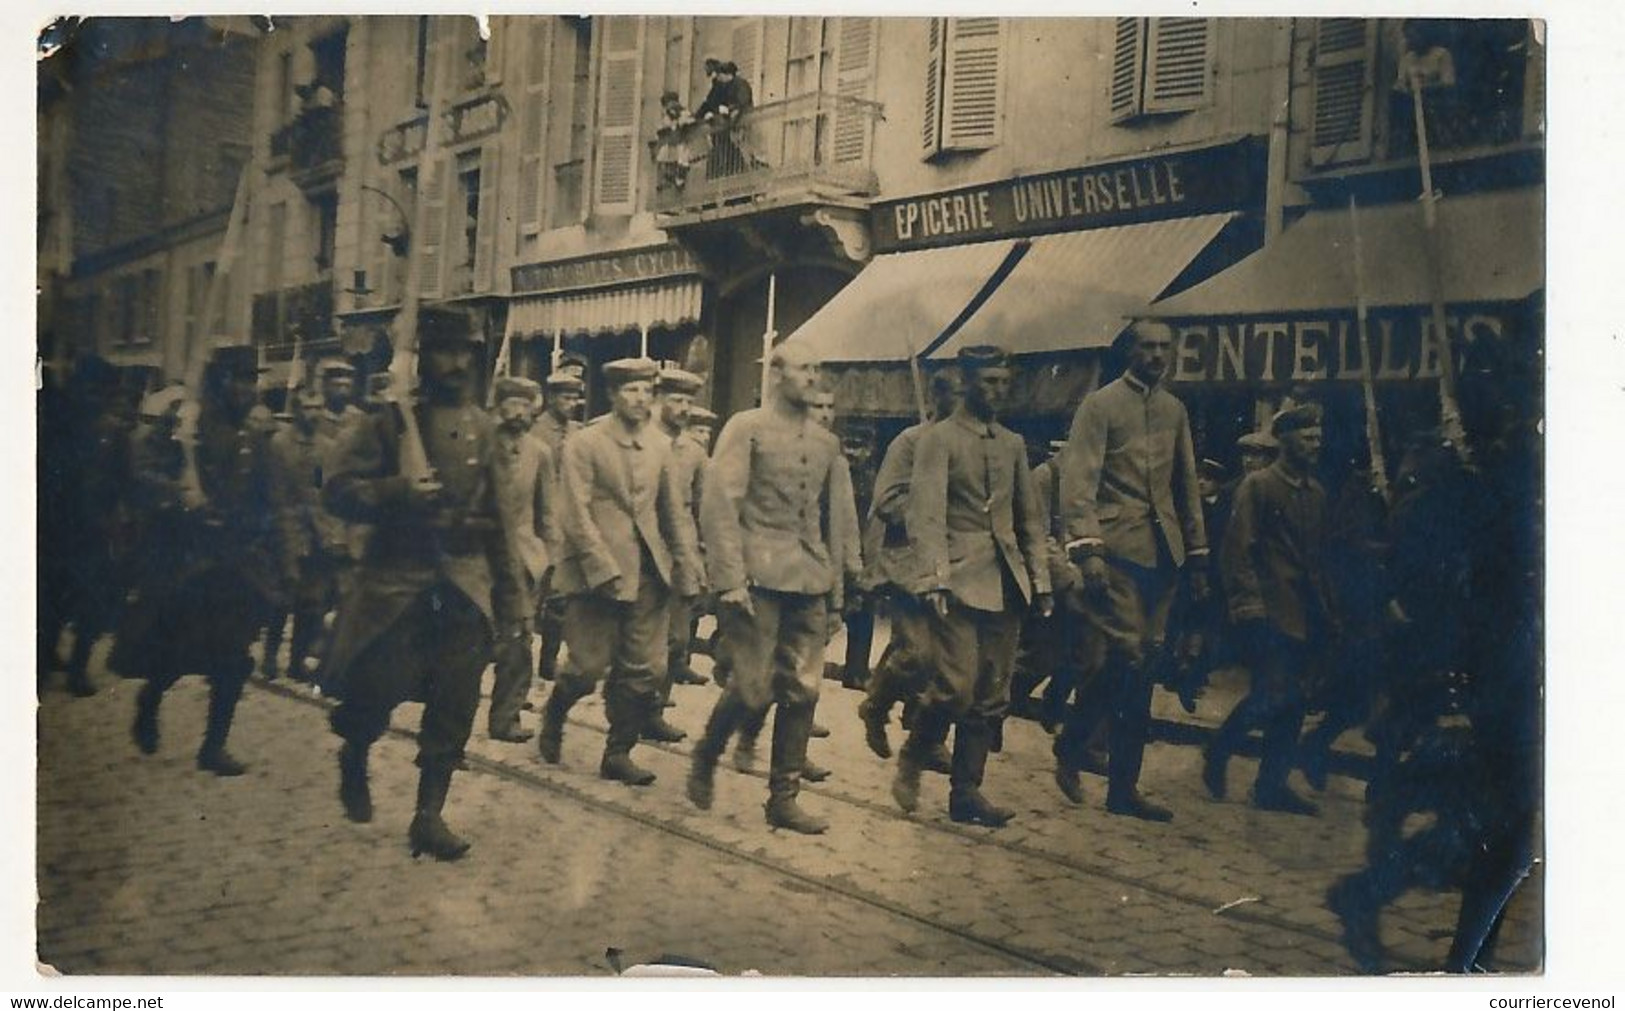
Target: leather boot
pixel 629 715
pixel 550 742
pixel 792 726
pixel 354 792
pixel 78 667
pixel 659 730
pixel 745 749
pixel 875 715
pixel 912 759
pixel 145 730
pixel 224 691
pixel 429 833
pixel 965 801
pixel 702 771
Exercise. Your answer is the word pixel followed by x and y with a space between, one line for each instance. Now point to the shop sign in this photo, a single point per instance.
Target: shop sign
pixel 1154 188
pixel 588 272
pixel 404 141
pixel 1404 347
pixel 476 119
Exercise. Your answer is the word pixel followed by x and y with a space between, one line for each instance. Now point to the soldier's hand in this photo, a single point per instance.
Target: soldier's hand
pixel 739 599
pixel 1094 575
pixel 609 587
pixel 938 600
pixel 1044 604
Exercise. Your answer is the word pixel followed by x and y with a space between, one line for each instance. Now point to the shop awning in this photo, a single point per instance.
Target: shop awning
pixel 1491 249
pixel 902 302
pixel 617 310
pixel 1073 291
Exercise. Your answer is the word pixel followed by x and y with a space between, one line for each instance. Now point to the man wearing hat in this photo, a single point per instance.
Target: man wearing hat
pixel 202 614
pixel 1133 517
pixel 526 487
pixel 563 391
pixel 1280 607
pixel 1258 450
pixel 627 547
pixel 768 514
pixel 416 623
pixel 975 519
pixel 675 390
pixel 338 395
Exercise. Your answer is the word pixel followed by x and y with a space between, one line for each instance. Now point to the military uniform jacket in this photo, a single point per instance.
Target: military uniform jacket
pixel 619 497
pixel 1128 476
pixel 304 526
pixel 890 559
pixel 1063 575
pixel 527 488
pixel 1273 555
pixel 553 432
pixel 688 459
pixel 768 510
pixel 465 541
pixel 972 510
pixel 238 522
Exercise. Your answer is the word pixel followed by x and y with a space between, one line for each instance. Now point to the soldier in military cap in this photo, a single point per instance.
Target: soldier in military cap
pixel 627 547
pixel 417 621
pixel 563 395
pixel 675 390
pixel 772 489
pixel 528 488
pixel 201 614
pixel 1258 450
pixel 702 425
pixel 975 519
pixel 338 395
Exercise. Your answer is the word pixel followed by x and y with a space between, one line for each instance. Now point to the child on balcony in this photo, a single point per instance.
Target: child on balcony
pixel 673 153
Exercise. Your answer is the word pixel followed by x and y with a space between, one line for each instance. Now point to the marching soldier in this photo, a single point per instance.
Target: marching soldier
pixel 338 398
pixel 893 573
pixel 1133 516
pixel 201 614
pixel 628 547
pixel 1280 607
pixel 527 488
pixel 417 623
pixel 674 400
pixel 771 491
pixel 563 396
pixel 974 517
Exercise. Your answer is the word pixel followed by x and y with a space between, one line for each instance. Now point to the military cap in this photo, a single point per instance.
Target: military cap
pixel 824 397
pixel 983 356
pixel 309 396
pixel 729 67
pixel 334 366
pixel 1210 468
pixel 678 381
pixel 574 360
pixel 701 416
pixel 379 382
pixel 1296 418
pixel 561 381
pixel 630 370
pixel 511 387
pixel 237 359
pixel 160 402
pixel 1258 442
pixel 439 326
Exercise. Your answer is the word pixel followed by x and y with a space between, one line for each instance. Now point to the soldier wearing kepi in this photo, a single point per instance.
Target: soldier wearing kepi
pixel 974 517
pixel 201 615
pixel 1133 515
pixel 674 401
pixel 417 622
pixel 563 391
pixel 627 548
pixel 766 517
pixel 527 488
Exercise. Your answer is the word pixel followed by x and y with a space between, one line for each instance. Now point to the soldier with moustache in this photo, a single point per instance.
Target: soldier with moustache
pixel 417 623
pixel 563 393
pixel 628 547
pixel 527 488
pixel 675 390
pixel 201 612
pixel 772 488
pixel 974 517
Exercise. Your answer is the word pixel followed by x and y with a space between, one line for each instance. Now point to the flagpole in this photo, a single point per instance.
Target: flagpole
pixel 768 333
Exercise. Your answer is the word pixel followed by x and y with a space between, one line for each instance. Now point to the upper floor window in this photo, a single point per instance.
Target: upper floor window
pixel 964 84
pixel 1160 65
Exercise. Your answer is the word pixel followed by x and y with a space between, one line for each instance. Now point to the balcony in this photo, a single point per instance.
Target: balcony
pixel 313 144
pixel 812 148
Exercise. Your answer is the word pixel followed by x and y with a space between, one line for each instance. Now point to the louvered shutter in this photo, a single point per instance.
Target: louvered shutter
pixel 620 90
pixel 931 135
pixel 1179 62
pixel 1128 68
pixel 973 86
pixel 432 243
pixel 533 124
pixel 1344 84
pixel 746 38
pixel 485 233
pixel 854 78
pixel 431 59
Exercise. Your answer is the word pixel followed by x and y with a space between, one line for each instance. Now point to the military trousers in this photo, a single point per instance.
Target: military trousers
pixel 1275 702
pixel 776 651
pixel 621 644
pixel 434 652
pixel 975 656
pixel 904 667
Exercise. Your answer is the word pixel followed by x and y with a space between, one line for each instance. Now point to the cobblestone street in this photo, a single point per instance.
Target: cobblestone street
pixel 147 866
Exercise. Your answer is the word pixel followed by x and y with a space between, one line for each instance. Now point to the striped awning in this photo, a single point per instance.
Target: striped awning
pixel 669 304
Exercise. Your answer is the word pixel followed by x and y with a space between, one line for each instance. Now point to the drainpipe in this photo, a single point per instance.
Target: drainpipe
pixel 1280 122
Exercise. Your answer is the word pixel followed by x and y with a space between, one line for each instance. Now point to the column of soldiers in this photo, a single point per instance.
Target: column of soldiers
pixel 445 537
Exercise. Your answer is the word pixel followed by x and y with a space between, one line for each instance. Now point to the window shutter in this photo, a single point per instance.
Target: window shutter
pixel 747 37
pixel 1179 64
pixel 485 233
pixel 431 280
pixel 854 78
pixel 1128 68
pixel 620 92
pixel 431 59
pixel 1344 86
pixel 931 136
pixel 533 124
pixel 1534 85
pixel 973 87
